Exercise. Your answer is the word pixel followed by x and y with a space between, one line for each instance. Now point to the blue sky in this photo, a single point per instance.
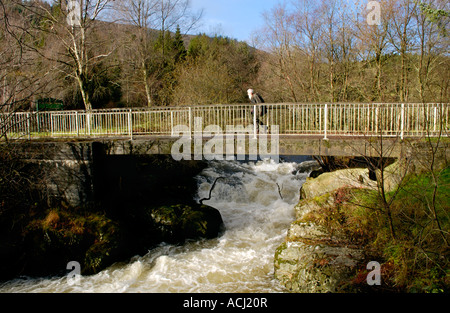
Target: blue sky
pixel 232 18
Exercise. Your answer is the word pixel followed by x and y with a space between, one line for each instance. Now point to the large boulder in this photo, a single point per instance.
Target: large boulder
pixel 180 222
pixel 62 236
pixel 96 241
pixel 327 182
pixel 314 266
pixel 394 174
pixel 313 259
pixel 316 255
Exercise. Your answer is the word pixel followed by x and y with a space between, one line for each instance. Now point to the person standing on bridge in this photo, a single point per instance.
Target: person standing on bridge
pixel 261 110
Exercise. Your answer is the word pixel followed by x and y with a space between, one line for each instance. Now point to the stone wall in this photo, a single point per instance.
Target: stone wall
pixel 97 208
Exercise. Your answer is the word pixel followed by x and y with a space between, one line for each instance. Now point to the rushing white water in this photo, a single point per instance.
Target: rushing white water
pixel 256 201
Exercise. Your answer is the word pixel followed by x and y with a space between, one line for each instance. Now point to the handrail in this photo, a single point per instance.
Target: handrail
pixel 324 119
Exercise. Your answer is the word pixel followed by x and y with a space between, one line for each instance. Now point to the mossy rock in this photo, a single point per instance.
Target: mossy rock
pixel 306 206
pixel 179 222
pixel 311 267
pixel 328 182
pixel 62 236
pixel 317 257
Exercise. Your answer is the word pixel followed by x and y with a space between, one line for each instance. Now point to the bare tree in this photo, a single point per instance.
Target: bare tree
pixel 278 38
pixel 401 37
pixel 22 78
pixel 310 31
pixel 432 45
pixel 150 20
pixel 71 42
pixel 140 14
pixel 374 44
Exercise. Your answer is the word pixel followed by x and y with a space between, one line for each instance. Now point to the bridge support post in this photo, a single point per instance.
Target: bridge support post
pixel 402 121
pixel 130 124
pixel 254 123
pixel 76 122
pixel 88 123
pixel 28 126
pixel 190 123
pixel 325 121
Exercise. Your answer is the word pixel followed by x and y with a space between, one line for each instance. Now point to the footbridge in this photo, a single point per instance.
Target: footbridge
pixel 286 128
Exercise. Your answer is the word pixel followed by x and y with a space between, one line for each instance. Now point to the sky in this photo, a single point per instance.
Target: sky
pixel 236 19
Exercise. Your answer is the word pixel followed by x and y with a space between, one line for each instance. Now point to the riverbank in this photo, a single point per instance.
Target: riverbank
pixel 345 220
pixel 255 200
pixel 75 202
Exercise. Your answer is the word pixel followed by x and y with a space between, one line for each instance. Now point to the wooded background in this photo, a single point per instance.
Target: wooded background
pixel 137 53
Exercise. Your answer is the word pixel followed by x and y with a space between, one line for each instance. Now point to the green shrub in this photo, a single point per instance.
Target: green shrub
pixel 418 256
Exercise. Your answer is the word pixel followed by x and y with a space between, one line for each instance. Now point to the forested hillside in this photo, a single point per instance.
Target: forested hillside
pixel 137 53
pixel 327 51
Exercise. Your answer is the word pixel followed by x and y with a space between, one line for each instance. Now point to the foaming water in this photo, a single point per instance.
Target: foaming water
pixel 256 201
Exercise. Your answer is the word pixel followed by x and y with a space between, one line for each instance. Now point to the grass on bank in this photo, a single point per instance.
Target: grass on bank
pixel 414 252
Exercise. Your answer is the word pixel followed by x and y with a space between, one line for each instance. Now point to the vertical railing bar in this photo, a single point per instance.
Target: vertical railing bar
pixel 402 118
pixel 435 119
pixel 51 125
pixel 254 121
pixel 190 122
pixel 320 118
pixel 325 121
pixel 76 126
pixel 171 123
pixel 130 124
pixel 417 118
pixel 28 126
pixel 88 123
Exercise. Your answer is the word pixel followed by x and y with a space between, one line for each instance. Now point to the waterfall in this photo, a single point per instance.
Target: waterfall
pixel 256 200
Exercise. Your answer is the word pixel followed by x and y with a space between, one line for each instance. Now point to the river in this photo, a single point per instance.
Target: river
pixel 256 200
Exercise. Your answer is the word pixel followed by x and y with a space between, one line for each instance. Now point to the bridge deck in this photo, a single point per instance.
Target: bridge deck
pixel 287 145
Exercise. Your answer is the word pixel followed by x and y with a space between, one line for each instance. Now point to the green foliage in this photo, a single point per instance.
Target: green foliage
pixel 198 46
pixel 217 70
pixel 418 257
pixel 178 47
pixel 73 235
pixel 102 87
pixel 437 16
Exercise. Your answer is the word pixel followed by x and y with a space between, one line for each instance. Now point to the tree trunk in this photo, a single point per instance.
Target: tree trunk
pixel 84 94
pixel 311 74
pixel 379 70
pixel 147 87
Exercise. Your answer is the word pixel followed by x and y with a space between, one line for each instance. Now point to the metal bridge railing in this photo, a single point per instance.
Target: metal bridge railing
pixel 323 119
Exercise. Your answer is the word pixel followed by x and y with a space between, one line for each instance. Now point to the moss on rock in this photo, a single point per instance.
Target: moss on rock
pixel 314 267
pixel 330 181
pixel 61 236
pixel 317 255
pixel 179 222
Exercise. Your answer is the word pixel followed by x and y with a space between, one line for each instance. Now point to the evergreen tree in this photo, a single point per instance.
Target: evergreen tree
pixel 178 47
